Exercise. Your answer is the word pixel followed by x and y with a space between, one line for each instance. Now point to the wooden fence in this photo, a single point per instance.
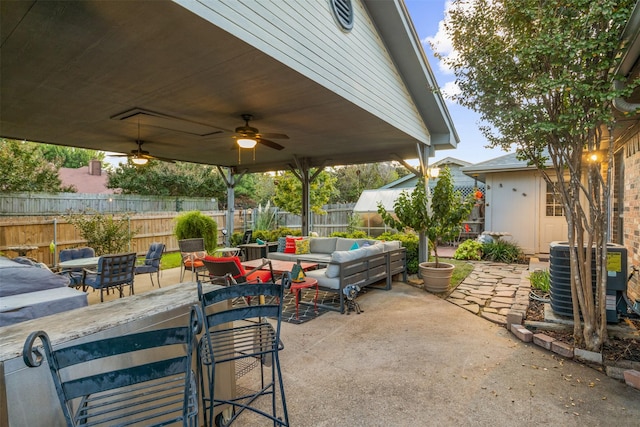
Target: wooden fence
pixel 28 204
pixel 41 230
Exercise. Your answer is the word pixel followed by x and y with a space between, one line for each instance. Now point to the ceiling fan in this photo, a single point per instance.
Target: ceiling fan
pixel 247 136
pixel 141 157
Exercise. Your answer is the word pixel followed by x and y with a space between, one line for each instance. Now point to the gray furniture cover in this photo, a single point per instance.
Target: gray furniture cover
pixel 29 291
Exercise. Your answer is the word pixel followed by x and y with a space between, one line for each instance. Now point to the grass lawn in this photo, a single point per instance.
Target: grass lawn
pixel 171 260
pixel 462 270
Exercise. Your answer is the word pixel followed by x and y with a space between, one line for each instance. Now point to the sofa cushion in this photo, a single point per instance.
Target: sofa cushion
pixel 333 270
pixel 322 245
pixel 302 246
pixel 389 246
pixel 354 246
pixel 323 280
pixel 344 244
pixel 373 249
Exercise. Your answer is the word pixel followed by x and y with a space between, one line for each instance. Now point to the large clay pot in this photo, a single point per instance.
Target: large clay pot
pixel 436 280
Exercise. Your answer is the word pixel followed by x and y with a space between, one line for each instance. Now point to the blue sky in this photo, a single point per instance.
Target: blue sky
pixel 426 16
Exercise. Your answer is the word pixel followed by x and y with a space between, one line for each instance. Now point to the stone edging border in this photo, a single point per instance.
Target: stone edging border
pixel 625 370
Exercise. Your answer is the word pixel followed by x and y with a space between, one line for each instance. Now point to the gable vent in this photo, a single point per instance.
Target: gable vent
pixel 343 11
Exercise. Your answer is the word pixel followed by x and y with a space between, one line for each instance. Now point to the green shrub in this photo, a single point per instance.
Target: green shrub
pixel 264 218
pixel 469 249
pixel 356 234
pixel 501 251
pixel 540 279
pixel 104 233
pixel 410 242
pixel 194 224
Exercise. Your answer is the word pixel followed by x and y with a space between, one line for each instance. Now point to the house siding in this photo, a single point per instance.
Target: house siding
pixel 318 49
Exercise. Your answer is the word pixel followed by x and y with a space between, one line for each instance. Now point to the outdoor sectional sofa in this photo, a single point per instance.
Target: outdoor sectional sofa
pixel 371 263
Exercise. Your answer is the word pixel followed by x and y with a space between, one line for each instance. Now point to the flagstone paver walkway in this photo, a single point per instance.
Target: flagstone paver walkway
pixel 494 289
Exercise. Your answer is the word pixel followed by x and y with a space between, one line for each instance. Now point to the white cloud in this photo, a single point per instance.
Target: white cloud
pixel 449 90
pixel 441 42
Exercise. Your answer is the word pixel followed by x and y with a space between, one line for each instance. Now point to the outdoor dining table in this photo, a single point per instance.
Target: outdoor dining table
pixel 91 262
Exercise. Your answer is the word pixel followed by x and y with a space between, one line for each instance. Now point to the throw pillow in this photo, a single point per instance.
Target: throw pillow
pixel 290 245
pixel 302 246
pixel 281 244
pixel 354 246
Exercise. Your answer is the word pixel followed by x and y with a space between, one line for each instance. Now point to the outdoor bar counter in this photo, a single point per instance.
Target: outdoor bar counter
pixel 27 395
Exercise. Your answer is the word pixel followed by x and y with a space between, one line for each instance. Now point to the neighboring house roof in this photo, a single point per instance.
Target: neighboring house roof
pixel 84 181
pixel 507 163
pixel 410 179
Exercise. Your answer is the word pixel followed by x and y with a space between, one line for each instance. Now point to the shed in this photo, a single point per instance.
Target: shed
pixel 519 201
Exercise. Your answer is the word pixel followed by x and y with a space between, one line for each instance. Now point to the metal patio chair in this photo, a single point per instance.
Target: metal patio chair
pixel 152 262
pixel 75 274
pixel 242 335
pixel 141 379
pixel 192 251
pixel 113 272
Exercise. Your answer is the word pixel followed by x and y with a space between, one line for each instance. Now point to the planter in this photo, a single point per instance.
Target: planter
pixel 436 280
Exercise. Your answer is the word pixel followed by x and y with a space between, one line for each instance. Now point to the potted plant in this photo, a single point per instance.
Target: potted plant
pixel 439 218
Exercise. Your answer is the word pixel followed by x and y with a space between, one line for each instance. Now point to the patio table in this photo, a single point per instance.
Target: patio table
pixel 91 262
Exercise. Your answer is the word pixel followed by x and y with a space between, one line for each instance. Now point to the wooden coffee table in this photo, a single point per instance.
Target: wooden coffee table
pixel 307 283
pixel 279 266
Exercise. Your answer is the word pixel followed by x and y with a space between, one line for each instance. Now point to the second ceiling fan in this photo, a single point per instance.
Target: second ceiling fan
pixel 248 137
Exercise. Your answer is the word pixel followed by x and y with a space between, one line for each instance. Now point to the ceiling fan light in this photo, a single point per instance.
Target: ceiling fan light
pixel 140 161
pixel 247 142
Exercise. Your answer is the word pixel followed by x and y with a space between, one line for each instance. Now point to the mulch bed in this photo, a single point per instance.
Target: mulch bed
pixel 614 350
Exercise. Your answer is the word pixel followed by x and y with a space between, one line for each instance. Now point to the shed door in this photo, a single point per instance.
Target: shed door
pixel 553 225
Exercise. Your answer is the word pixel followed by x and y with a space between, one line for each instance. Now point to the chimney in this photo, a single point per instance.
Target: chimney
pixel 95 167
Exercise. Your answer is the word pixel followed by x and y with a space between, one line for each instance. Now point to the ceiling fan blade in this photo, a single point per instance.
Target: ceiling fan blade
pixel 162 159
pixel 270 144
pixel 274 135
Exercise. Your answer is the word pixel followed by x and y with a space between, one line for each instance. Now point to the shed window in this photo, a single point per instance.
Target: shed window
pixel 553 203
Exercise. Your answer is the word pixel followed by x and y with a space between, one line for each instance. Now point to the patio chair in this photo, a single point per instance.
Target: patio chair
pixel 242 335
pixel 75 274
pixel 246 239
pixel 152 262
pixel 114 271
pixel 142 379
pixel 220 267
pixel 193 252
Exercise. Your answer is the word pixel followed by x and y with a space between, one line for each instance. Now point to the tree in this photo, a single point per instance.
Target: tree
pixel 23 168
pixel 540 72
pixel 352 180
pixel 69 157
pixel 159 178
pixel 289 192
pixel 439 217
pixel 104 233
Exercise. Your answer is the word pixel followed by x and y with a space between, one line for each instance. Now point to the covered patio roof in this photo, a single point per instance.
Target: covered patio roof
pixel 98 75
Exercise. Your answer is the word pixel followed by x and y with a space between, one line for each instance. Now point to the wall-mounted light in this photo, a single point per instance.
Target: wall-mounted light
pixel 433 172
pixel 140 161
pixel 247 142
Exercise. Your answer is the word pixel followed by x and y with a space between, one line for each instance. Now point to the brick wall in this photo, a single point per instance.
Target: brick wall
pixel 631 232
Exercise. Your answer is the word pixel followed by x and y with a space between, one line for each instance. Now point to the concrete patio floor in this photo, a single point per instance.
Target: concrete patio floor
pixel 413 359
